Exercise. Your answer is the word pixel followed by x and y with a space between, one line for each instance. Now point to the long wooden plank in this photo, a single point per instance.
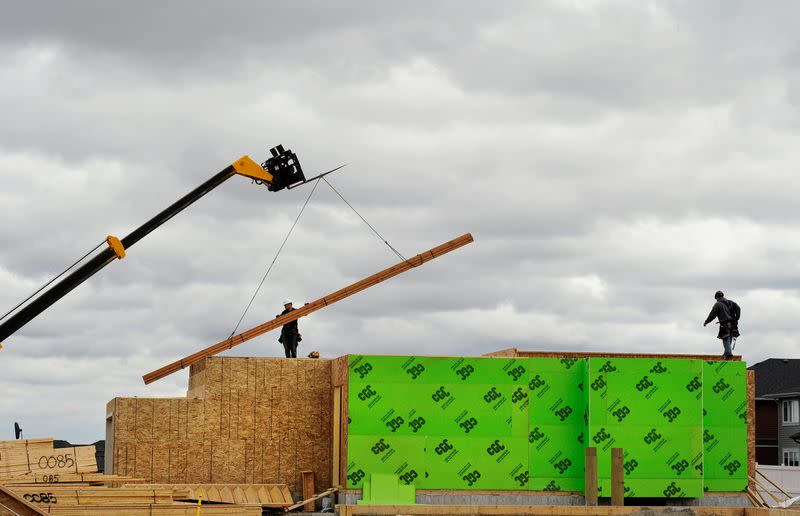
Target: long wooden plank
pixel 617 478
pixel 348 291
pixel 336 433
pixel 189 509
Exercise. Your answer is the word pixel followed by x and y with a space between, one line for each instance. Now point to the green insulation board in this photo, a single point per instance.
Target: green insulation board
pixel 725 426
pixel 644 407
pixel 523 423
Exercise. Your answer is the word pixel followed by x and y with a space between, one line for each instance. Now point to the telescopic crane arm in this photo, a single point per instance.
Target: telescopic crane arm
pixel 281 170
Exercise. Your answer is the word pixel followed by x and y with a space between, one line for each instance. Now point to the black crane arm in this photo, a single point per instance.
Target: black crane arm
pixel 280 171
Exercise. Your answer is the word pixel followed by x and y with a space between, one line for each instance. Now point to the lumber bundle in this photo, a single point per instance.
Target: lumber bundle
pixel 14 505
pixel 71 478
pixel 176 509
pixel 127 501
pixel 60 496
pixel 313 306
pixel 38 457
pixel 275 496
pixel 256 421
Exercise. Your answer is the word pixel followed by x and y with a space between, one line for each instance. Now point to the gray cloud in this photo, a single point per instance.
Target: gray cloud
pixel 616 164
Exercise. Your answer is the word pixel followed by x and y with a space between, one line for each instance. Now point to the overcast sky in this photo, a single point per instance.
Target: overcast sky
pixel 616 162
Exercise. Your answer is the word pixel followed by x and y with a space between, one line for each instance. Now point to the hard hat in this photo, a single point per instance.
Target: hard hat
pixel 287 303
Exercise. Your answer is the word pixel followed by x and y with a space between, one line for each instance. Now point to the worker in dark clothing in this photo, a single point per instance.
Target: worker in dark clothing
pixel 727 313
pixel 290 335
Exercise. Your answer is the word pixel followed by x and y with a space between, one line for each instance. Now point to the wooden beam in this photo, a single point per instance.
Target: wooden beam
pixel 617 478
pixel 590 491
pixel 313 306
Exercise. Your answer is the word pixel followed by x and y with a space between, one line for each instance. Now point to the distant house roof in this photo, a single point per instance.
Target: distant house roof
pixel 777 377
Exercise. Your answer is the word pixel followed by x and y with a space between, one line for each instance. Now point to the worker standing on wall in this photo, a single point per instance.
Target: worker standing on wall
pixel 290 334
pixel 727 313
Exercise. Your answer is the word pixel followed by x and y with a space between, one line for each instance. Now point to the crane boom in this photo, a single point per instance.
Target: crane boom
pixel 280 171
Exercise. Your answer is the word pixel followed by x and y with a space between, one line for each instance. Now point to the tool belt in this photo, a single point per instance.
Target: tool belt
pixel 728 329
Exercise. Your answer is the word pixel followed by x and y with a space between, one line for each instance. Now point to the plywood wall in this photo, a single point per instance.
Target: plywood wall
pixel 246 420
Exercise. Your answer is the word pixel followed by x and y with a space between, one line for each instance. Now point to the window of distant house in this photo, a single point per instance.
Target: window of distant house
pixel 791 456
pixel 791 412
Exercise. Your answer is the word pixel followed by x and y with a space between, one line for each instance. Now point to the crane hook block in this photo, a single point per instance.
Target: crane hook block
pixel 247 167
pixel 116 246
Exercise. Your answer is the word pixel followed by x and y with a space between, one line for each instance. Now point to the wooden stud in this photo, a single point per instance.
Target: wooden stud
pixel 308 490
pixel 590 482
pixel 337 433
pixel 617 478
pixel 779 488
pixel 764 488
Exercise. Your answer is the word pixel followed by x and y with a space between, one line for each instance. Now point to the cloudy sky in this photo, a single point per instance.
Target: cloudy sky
pixel 617 162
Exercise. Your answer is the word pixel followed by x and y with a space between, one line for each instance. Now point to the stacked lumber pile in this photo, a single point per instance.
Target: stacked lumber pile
pixel 71 478
pixel 38 458
pixel 127 501
pixel 245 421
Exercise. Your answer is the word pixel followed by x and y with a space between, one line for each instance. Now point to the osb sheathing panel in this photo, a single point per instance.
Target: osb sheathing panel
pixel 260 420
pixel 340 375
pixel 751 424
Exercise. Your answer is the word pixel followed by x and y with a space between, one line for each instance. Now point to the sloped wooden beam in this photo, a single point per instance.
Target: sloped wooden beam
pixel 348 291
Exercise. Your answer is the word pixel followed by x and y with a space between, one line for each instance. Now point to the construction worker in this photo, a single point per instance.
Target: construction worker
pixel 290 335
pixel 727 313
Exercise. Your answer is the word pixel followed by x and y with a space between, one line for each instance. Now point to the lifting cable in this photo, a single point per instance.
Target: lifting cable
pixel 52 280
pixel 296 220
pixel 395 251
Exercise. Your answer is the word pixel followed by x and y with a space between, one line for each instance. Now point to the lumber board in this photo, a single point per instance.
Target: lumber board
pixel 308 490
pixel 49 496
pixel 532 510
pixel 751 424
pixel 176 509
pixel 617 478
pixel 37 456
pixel 70 478
pixel 337 434
pixel 343 293
pixel 276 496
pixel 590 476
pixel 12 503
